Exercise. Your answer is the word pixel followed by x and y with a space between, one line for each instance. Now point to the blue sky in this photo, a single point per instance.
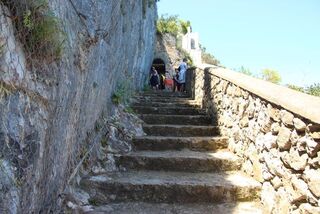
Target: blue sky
pixel 278 34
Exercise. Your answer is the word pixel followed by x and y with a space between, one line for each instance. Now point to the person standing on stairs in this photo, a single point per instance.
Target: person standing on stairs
pixel 168 82
pixel 154 79
pixel 182 74
pixel 176 85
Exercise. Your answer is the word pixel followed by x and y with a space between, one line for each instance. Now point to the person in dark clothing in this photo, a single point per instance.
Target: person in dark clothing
pixel 176 84
pixel 154 79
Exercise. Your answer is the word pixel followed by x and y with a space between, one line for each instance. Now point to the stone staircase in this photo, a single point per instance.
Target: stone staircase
pixel 182 165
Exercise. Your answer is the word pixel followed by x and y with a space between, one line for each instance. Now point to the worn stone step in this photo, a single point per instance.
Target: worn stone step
pixel 177 119
pixel 163 99
pixel 165 208
pixel 180 130
pixel 163 94
pixel 186 160
pixel 193 104
pixel 170 187
pixel 159 143
pixel 168 110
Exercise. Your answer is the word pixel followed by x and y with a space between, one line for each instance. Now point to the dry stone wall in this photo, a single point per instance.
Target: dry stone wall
pixel 49 110
pixel 279 147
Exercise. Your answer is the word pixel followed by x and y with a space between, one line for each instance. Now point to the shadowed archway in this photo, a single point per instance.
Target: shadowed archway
pixel 159 65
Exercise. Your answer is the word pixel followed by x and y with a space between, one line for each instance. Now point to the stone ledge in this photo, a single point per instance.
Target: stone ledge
pixel 307 106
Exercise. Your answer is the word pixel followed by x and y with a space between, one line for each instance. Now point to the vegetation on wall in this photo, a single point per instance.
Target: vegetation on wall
pixel 38 29
pixel 123 91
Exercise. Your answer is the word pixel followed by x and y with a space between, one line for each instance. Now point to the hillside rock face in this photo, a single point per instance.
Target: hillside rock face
pixel 48 111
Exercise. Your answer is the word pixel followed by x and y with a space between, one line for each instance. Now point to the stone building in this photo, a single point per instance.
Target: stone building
pixel 190 43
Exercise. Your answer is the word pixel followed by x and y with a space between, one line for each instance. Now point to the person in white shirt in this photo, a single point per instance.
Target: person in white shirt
pixel 182 74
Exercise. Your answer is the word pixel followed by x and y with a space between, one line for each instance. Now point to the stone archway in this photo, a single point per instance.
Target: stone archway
pixel 160 65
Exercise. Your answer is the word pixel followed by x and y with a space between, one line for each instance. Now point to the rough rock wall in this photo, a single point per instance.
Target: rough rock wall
pixel 279 148
pixel 48 111
pixel 166 49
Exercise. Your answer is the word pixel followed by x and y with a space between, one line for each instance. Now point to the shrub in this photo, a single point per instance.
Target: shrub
pixel 271 76
pixel 172 25
pixel 295 87
pixel 123 91
pixel 38 29
pixel 313 89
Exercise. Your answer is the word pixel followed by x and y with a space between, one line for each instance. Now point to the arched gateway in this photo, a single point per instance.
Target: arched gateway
pixel 159 65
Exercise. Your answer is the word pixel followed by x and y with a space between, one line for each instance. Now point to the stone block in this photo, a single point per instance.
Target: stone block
pixel 287 118
pixel 274 113
pixel 299 125
pixel 294 160
pixel 314 131
pixel 275 127
pixel 294 196
pixel 312 177
pixel 283 139
pixel 238 91
pixel 245 94
pixel 268 197
pixel 276 182
pixel 306 208
pixel 283 204
pixel 312 147
pixel 244 122
pixel 294 137
pixel 250 110
pixel 300 187
pixel 268 141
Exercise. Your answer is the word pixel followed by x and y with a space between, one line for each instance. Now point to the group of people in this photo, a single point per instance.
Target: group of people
pixel 175 83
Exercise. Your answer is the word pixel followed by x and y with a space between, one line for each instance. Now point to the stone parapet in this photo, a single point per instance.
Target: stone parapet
pixel 274 130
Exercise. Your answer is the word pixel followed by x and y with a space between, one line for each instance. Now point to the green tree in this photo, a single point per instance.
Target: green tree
pixel 313 89
pixel 295 87
pixel 184 26
pixel 168 24
pixel 271 76
pixel 172 25
pixel 245 71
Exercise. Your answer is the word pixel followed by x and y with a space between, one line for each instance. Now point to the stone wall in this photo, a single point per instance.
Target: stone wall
pixel 48 112
pixel 276 132
pixel 166 49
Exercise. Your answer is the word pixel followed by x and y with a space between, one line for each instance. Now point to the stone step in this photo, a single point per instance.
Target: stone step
pixel 186 160
pixel 163 94
pixel 176 119
pixel 170 187
pixel 192 104
pixel 168 110
pixel 163 99
pixel 158 143
pixel 180 130
pixel 165 208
